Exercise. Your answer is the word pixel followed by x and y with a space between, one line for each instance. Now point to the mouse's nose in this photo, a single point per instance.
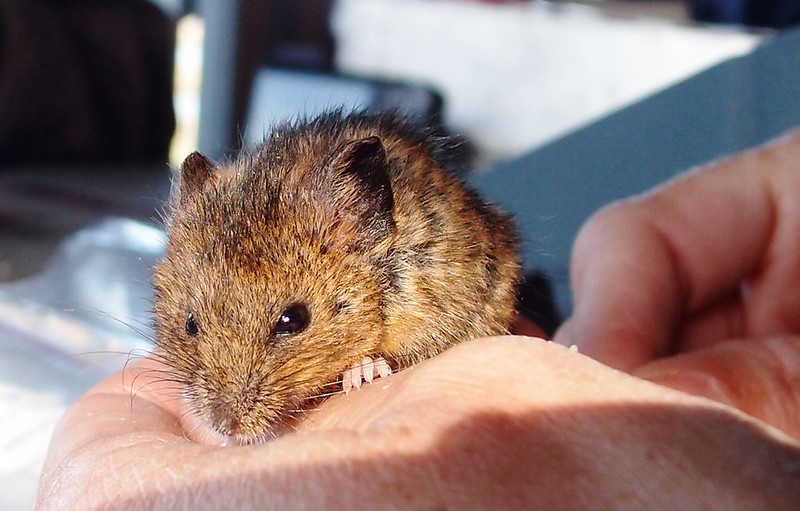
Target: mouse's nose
pixel 234 426
pixel 224 420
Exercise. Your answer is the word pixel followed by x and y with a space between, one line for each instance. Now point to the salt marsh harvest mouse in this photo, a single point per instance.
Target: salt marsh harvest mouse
pixel 340 249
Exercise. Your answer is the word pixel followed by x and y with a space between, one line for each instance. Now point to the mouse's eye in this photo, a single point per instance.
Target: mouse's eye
pixel 191 324
pixel 294 319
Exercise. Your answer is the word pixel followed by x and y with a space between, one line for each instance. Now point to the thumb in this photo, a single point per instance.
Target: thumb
pixel 761 378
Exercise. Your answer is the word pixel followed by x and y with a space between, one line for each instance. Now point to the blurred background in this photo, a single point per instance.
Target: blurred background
pixel 563 107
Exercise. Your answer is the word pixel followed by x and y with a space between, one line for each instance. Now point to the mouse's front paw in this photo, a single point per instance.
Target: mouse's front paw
pixel 367 370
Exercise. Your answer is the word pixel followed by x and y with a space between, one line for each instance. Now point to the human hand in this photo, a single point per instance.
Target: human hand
pixel 502 423
pixel 696 285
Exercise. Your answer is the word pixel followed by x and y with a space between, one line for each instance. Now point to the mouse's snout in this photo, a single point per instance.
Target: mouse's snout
pixel 241 410
pixel 223 418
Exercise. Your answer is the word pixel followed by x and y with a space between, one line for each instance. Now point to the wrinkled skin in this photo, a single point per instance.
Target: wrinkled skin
pixel 693 287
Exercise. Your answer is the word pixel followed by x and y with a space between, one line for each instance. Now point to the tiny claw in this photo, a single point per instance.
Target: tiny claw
pixel 368 368
pixel 347 381
pixel 356 376
pixel 382 367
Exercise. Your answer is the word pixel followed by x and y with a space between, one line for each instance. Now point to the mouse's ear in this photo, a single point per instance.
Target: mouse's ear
pixel 361 191
pixel 195 171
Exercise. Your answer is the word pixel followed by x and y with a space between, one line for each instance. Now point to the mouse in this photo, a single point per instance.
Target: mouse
pixel 344 248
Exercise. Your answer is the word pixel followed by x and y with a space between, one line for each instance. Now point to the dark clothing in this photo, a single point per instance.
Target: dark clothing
pixel 85 81
pixel 755 13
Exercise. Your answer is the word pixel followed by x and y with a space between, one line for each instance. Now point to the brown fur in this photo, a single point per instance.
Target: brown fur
pixel 353 216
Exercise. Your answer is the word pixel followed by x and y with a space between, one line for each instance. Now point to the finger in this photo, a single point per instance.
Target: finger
pixel 722 320
pixel 762 379
pixel 641 265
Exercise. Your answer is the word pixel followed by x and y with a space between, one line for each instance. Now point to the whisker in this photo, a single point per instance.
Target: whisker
pixel 128 324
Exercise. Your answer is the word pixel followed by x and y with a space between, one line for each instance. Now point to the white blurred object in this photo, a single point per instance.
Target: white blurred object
pixel 63 330
pixel 515 76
